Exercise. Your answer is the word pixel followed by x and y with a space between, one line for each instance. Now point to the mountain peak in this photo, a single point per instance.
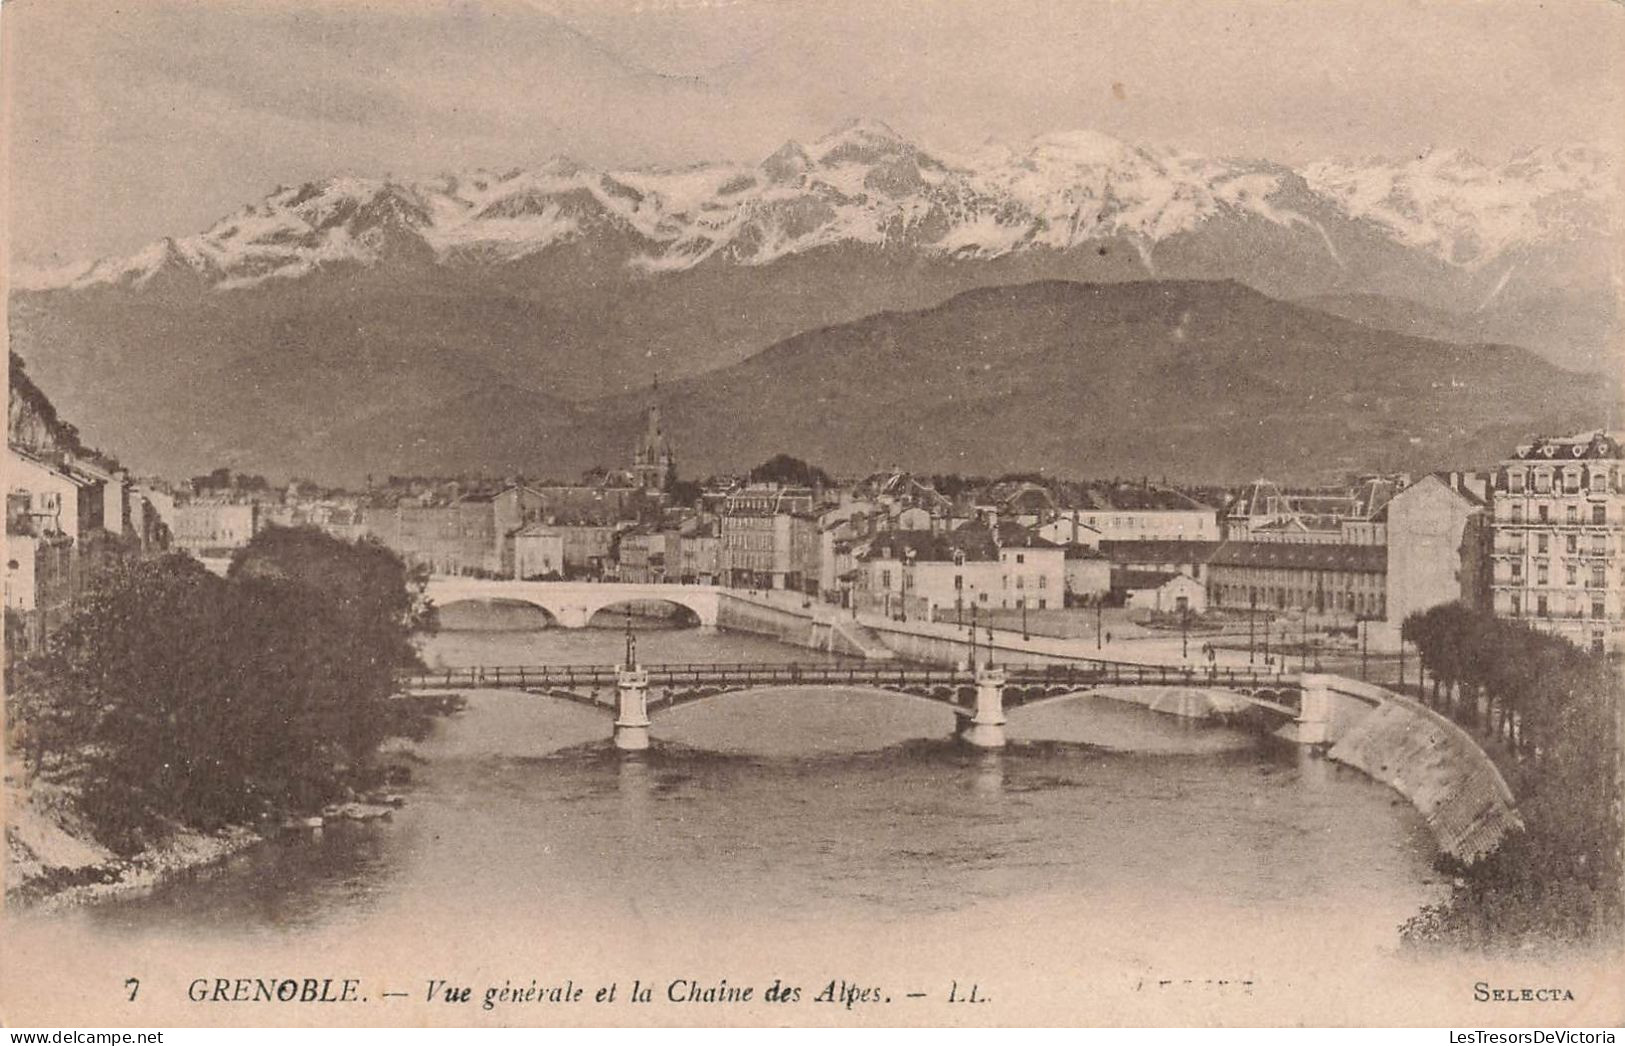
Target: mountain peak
pixel 861 127
pixel 860 140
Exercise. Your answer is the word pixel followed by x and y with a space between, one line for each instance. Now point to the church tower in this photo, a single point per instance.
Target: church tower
pixel 652 463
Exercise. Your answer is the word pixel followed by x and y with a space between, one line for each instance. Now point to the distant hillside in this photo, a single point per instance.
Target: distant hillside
pixel 1571 331
pixel 1199 380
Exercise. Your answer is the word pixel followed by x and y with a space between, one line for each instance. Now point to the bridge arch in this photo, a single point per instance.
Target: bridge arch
pixel 498 613
pixel 612 614
pixel 948 698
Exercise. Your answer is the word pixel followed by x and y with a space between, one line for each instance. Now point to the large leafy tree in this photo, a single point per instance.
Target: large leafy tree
pixel 132 696
pixel 791 471
pixel 366 606
pixel 174 695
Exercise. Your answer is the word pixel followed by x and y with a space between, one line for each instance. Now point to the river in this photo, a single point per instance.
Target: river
pixel 808 835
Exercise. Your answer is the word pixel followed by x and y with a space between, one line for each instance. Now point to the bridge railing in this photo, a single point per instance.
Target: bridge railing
pixel 511 675
pixel 687 672
pixel 1125 673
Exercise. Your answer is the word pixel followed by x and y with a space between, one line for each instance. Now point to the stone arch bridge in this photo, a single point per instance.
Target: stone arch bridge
pixel 571 604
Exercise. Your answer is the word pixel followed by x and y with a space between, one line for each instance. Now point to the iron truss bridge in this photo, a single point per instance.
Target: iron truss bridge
pixel 669 685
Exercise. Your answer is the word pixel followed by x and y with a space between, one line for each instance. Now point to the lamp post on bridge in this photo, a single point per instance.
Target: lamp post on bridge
pixel 631 698
pixel 1303 638
pixel 1252 614
pixel 1185 631
pixel 1099 610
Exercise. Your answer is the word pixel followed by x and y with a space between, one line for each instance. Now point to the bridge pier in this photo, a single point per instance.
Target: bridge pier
pixel 572 616
pixel 1314 711
pixel 631 709
pixel 986 726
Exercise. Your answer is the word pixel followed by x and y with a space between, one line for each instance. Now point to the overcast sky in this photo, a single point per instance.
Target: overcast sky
pixel 135 119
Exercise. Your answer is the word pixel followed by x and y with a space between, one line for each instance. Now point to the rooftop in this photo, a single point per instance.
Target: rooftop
pixel 1293 556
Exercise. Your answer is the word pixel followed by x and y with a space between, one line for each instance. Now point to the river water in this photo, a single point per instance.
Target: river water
pixel 808 835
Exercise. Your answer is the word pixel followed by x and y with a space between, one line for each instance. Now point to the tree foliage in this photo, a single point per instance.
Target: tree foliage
pixel 175 695
pixel 791 471
pixel 1552 710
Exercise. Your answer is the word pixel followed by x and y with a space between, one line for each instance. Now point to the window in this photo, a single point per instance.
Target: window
pixel 1599 542
pixel 1541 577
pixel 1572 543
pixel 1041 604
pixel 1543 482
pixel 1599 576
pixel 1574 514
pixel 1571 482
pixel 959 582
pixel 1540 607
pixel 1541 543
pixel 1021 581
pixel 1020 558
pixel 1517 605
pixel 1598 611
pixel 1043 582
pixel 1599 514
pixel 1572 575
pixel 1517 513
pixel 1599 481
pixel 1545 514
pixel 1515 481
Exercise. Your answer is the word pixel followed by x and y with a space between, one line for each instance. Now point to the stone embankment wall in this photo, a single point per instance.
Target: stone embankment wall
pixel 1432 762
pixel 739 614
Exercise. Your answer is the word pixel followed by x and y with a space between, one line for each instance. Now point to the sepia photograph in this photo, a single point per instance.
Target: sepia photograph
pixel 813 513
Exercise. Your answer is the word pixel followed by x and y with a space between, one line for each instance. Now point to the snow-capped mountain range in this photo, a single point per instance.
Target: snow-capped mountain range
pixel 865 185
pixel 494 318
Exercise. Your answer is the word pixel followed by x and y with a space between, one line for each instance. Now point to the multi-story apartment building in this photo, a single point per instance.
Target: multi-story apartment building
pixel 1559 538
pixel 538 552
pixel 697 547
pixel 766 534
pixel 918 574
pixel 215 524
pixel 1438 529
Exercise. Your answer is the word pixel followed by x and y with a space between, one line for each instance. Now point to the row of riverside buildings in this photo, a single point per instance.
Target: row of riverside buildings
pixel 1540 537
pixel 70 511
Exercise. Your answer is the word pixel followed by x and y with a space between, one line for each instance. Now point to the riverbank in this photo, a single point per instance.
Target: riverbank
pixel 54 861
